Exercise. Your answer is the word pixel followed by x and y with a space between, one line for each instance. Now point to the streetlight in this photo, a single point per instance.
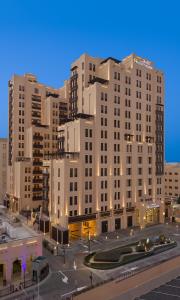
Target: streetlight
pixel 64 255
pixel 89 238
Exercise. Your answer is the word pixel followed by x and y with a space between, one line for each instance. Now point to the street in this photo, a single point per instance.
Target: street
pixel 65 278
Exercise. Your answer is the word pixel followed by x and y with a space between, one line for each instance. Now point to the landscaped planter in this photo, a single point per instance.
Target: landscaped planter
pixel 119 256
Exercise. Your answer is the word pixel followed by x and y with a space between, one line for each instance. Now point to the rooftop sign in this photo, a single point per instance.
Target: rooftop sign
pixel 143 62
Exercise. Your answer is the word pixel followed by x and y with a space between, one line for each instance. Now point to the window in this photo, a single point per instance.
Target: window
pixel 71 172
pixel 128 194
pixel 71 200
pixel 75 172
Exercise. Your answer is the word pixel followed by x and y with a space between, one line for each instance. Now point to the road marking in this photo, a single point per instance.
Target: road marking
pixel 165 294
pixel 65 278
pixel 178 287
pixel 73 291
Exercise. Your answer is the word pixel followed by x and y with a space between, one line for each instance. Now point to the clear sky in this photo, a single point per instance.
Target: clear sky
pixel 44 36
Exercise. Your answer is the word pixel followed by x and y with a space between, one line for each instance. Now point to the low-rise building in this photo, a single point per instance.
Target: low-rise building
pixel 19 246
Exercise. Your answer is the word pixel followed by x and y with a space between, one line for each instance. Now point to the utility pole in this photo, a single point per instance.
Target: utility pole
pixel 64 255
pixel 89 241
pixel 91 278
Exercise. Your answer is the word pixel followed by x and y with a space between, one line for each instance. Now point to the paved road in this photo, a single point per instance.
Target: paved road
pixel 79 276
pixel 168 291
pixel 129 288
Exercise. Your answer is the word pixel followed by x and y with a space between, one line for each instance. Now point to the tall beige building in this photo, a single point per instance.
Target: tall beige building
pixel 35 112
pixel 3 168
pixel 172 180
pixel 108 170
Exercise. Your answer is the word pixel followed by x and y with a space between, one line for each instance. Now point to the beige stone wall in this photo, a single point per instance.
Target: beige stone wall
pixel 3 167
pixel 172 180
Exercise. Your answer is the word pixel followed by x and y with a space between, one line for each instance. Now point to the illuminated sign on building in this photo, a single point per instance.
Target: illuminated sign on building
pixel 143 62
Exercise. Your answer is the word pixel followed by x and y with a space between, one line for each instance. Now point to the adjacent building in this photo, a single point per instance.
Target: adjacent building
pixel 91 154
pixel 35 112
pixel 3 168
pixel 172 190
pixel 19 246
pixel 172 180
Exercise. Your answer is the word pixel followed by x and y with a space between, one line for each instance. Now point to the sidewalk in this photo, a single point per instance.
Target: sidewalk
pixel 24 292
pixel 118 289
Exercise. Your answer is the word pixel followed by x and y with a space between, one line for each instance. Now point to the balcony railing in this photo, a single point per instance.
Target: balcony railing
pixel 37 137
pixel 37 198
pixel 81 218
pixel 38 146
pixel 37 154
pixel 37 163
pixel 37 189
pixel 105 214
pixel 130 209
pixel 37 172
pixel 118 211
pixel 37 180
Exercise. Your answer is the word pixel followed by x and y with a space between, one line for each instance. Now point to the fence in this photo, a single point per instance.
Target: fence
pixel 12 288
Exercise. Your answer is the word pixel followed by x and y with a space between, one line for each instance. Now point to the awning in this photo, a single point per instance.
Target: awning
pixel 152 205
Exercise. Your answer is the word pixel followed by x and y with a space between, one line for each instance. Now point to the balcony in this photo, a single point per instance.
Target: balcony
pixel 118 211
pixel 37 198
pixel 81 218
pixel 36 98
pixel 130 209
pixel 38 146
pixel 36 114
pixel 39 172
pixel 37 189
pixel 45 188
pixel 38 107
pixel 37 137
pixel 104 214
pixel 37 154
pixel 37 180
pixel 37 163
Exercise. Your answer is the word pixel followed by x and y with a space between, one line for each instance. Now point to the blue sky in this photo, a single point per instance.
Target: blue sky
pixel 43 37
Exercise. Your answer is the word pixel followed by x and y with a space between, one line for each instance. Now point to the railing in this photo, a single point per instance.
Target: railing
pixel 37 137
pixel 118 211
pixel 130 209
pixel 74 219
pixel 105 214
pixel 12 288
pixel 37 163
pixel 37 146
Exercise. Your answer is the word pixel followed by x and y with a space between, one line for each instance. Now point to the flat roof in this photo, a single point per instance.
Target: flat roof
pixel 12 229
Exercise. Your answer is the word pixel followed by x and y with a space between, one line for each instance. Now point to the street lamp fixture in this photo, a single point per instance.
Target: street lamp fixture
pixel 89 238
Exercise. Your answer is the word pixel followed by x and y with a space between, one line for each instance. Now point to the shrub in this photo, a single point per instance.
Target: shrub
pixel 112 255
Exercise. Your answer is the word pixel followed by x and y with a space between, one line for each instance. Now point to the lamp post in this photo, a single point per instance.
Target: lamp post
pixel 91 278
pixel 38 285
pixel 89 238
pixel 64 255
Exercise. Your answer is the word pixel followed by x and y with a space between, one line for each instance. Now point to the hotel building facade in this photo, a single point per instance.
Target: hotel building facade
pixel 106 169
